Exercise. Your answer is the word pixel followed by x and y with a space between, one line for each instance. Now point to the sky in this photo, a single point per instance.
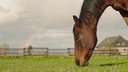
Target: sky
pixel 49 23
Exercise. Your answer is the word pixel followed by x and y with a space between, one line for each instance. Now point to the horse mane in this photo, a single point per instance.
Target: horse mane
pixel 92 6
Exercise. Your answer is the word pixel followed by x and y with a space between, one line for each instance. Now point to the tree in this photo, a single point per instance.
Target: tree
pixel 5 48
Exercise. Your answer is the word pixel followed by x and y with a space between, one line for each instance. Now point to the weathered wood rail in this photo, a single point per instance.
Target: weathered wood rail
pixel 57 51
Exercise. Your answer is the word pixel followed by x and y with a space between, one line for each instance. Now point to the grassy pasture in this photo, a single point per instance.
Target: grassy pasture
pixel 63 64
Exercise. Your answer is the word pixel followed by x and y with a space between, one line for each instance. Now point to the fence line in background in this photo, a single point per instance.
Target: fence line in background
pixel 35 51
pixel 48 51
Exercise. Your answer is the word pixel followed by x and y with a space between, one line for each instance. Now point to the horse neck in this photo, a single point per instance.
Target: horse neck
pixel 95 7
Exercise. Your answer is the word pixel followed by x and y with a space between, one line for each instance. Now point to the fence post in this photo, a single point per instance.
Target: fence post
pixel 4 51
pixel 29 51
pixel 69 53
pixel 23 51
pixel 46 51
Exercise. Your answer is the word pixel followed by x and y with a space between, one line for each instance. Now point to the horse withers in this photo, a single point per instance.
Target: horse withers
pixel 85 27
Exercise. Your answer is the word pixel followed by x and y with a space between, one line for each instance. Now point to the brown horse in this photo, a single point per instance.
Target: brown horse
pixel 85 27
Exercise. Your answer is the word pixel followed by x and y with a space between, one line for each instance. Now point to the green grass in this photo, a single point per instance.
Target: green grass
pixel 63 64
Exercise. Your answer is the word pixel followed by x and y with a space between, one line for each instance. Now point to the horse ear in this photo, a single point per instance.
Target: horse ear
pixel 76 19
pixel 77 22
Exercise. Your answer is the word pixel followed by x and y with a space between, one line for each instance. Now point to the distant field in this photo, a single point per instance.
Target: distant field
pixel 63 64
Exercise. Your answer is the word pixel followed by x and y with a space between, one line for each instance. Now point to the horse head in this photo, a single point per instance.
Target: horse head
pixel 85 41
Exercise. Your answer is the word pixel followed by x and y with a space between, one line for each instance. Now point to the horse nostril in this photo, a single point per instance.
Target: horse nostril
pixel 77 63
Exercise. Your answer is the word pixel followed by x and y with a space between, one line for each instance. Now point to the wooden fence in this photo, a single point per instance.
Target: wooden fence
pixel 35 51
pixel 48 51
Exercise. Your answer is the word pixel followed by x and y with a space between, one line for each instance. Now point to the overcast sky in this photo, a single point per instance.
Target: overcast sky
pixel 49 23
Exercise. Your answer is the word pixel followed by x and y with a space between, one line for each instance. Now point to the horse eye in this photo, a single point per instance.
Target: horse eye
pixel 123 4
pixel 77 37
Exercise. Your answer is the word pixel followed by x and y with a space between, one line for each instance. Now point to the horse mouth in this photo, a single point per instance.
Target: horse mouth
pixel 82 65
pixel 77 63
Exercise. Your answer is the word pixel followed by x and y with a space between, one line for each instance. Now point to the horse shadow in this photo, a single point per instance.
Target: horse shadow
pixel 113 64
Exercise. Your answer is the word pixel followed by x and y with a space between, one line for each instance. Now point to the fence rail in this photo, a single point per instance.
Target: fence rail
pixel 48 51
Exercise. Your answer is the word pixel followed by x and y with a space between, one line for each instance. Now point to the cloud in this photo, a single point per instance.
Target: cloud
pixel 9 14
pixel 1 35
pixel 2 10
pixel 54 33
pixel 54 38
pixel 46 13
